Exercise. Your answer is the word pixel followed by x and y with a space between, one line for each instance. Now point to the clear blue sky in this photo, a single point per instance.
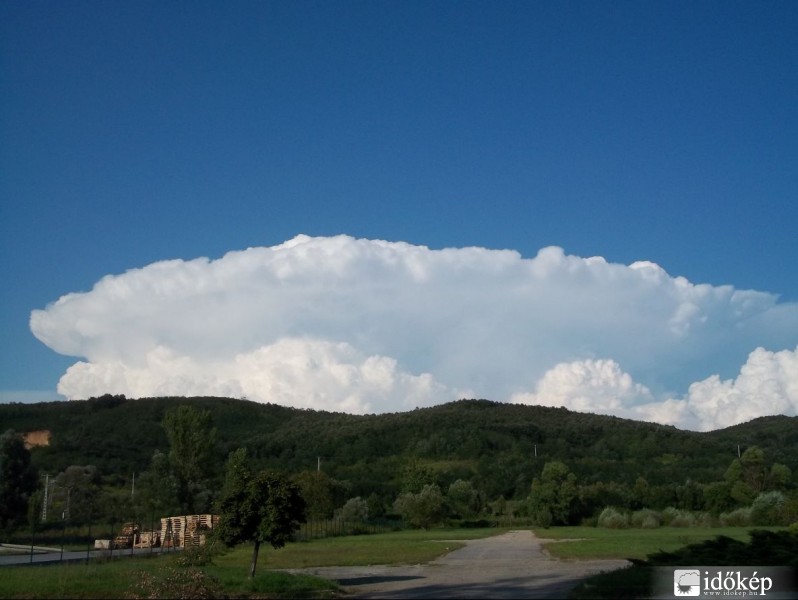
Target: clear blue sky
pixel 132 132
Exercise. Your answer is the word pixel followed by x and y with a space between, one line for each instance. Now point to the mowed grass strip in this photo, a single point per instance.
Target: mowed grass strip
pixel 572 543
pixel 128 577
pixel 400 547
pixel 98 579
pixel 122 577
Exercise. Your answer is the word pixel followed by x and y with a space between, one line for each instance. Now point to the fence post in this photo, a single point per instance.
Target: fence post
pixel 32 539
pixel 88 543
pixel 63 534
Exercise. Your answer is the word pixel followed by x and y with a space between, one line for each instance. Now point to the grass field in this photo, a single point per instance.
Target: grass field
pixel 164 576
pixel 595 542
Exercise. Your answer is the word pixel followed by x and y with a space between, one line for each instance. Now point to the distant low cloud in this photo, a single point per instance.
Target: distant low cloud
pixel 364 326
pixel 767 384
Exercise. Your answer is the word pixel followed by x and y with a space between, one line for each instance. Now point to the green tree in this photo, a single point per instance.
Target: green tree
pixel 416 476
pixel 424 509
pixel 264 507
pixel 355 509
pixel 319 491
pixel 76 492
pixel 769 509
pixel 641 494
pixel 192 441
pixel 754 471
pixel 554 494
pixel 463 498
pixel 18 480
pixel 780 476
pixel 748 475
pixel 157 487
pixel 718 498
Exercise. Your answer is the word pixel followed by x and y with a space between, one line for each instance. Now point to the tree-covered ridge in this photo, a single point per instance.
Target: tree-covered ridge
pixel 502 447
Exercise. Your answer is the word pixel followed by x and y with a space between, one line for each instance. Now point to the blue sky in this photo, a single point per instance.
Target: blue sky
pixel 636 131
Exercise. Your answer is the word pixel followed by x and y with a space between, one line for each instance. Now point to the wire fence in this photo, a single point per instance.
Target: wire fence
pixel 107 538
pixel 103 539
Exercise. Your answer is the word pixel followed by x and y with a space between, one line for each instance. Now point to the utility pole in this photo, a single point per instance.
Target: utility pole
pixel 44 504
pixel 133 486
pixel 318 464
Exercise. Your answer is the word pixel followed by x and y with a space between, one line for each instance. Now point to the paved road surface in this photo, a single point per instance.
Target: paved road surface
pixel 512 565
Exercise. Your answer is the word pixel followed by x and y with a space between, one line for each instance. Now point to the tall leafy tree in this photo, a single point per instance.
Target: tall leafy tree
pixel 76 492
pixel 463 498
pixel 264 507
pixel 192 441
pixel 157 487
pixel 553 494
pixel 355 509
pixel 424 509
pixel 416 476
pixel 319 491
pixel 18 480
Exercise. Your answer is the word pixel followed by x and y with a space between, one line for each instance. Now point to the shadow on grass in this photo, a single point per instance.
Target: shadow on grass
pixel 766 548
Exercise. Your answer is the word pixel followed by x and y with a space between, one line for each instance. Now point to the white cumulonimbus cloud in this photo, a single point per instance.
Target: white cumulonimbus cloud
pixel 362 326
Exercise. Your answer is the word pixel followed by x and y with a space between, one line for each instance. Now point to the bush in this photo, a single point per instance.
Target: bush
pixel 683 519
pixel 769 509
pixel 355 509
pixel 669 514
pixel 542 518
pixel 200 556
pixel 612 518
pixel 674 517
pixel 177 583
pixel 476 524
pixel 736 518
pixel 645 519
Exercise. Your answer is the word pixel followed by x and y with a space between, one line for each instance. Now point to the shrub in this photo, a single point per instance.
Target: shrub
pixel 200 556
pixel 645 519
pixel 177 583
pixel 768 509
pixel 542 518
pixel 669 514
pixel 612 518
pixel 683 519
pixel 736 518
pixel 355 509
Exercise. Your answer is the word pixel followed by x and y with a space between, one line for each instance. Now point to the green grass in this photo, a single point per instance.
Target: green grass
pixel 161 576
pixel 402 547
pixel 153 577
pixel 598 542
pixel 763 547
pixel 99 579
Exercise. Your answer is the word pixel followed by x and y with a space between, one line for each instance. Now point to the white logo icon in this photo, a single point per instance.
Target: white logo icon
pixel 686 583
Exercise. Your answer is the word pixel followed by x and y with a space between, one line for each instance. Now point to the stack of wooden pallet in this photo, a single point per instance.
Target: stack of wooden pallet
pixel 186 530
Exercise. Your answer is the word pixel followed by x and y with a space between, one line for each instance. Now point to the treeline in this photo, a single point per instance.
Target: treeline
pixel 473 459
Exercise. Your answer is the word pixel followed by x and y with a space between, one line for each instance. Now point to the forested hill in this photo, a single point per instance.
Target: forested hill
pixel 502 447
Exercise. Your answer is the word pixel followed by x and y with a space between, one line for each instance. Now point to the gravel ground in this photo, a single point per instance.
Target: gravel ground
pixel 512 565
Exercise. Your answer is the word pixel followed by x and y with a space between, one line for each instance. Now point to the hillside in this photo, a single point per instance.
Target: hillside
pixel 501 447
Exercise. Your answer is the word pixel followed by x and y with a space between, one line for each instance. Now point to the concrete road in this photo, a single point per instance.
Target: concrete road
pixel 512 565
